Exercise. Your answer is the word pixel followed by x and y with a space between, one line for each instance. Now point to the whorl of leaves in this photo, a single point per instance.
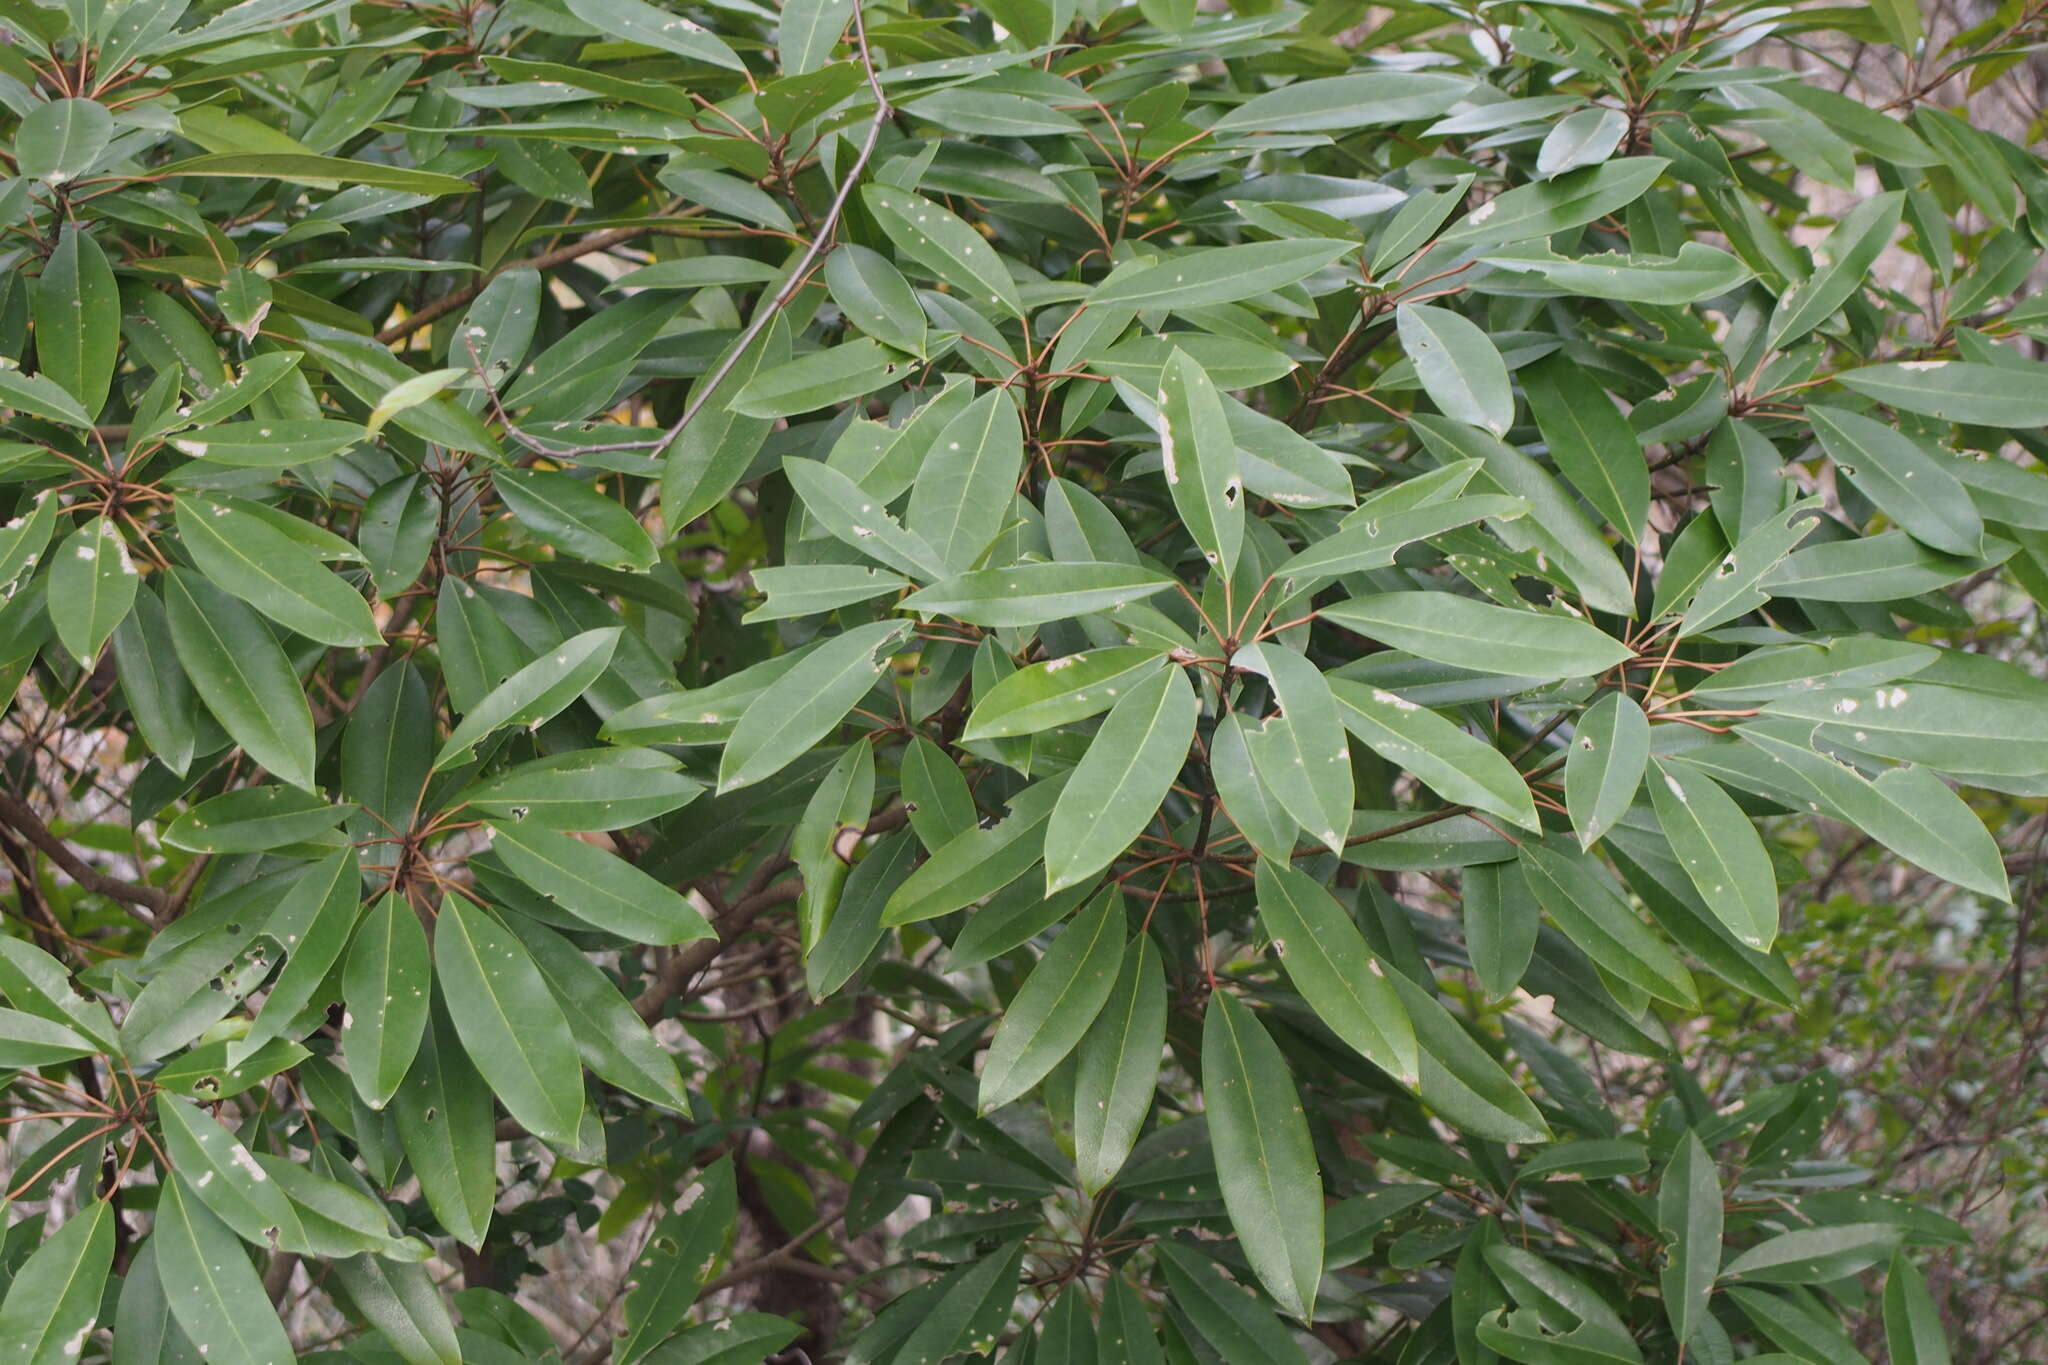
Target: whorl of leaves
pixel 1226 595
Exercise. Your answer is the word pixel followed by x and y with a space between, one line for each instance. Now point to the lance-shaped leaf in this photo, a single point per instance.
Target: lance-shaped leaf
pixel 535 693
pixel 1200 457
pixel 1214 275
pixel 980 862
pixel 1696 272
pixel 1454 764
pixel 1914 1332
pixel 601 889
pixel 24 538
pixel 1909 810
pixel 78 319
pixel 575 518
pixel 1461 1081
pixel 92 588
pixel 1501 924
pixel 1609 751
pixel 1721 852
pixel 252 819
pixel 226 1178
pixel 938 240
pixel 404 1303
pixel 1731 590
pixel 1851 249
pixel 1689 1221
pixel 508 1021
pixel 803 705
pixel 1591 442
pixel 213 1290
pixel 1370 540
pixel 1265 1160
pixel 610 1037
pixel 1909 484
pixel 868 289
pixel 820 379
pixel 1467 633
pixel 963 491
pixel 1950 729
pixel 447 1128
pixel 1815 1255
pixel 649 26
pixel 1958 390
pixel 385 985
pixel 1056 1004
pixel 244 553
pixel 1033 594
pixel 1060 691
pixel 1329 962
pixel 1595 917
pixel 38 984
pixel 856 517
pixel 1116 1067
pixel 831 826
pixel 1551 206
pixel 313 924
pixel 672 1269
pixel 1226 1315
pixel 1303 762
pixel 587 789
pixel 59 140
pixel 1343 103
pixel 53 1301
pixel 1116 788
pixel 240 672
pixel 1460 368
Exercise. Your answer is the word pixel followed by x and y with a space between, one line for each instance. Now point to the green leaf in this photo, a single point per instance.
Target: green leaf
pixel 961 498
pixel 1552 206
pixel 1300 756
pixel 53 1300
pixel 810 29
pixel 1609 752
pixel 313 924
pixel 243 553
pixel 1689 1222
pixel 1595 917
pixel 589 789
pixel 317 172
pixel 60 140
pixel 1228 1318
pixel 1116 788
pixel 1950 729
pixel 1585 138
pixel 1200 458
pixel 40 396
pixel 225 1177
pixel 213 1291
pixel 1501 924
pixel 1116 1066
pixel 1908 483
pixel 651 26
pixel 78 319
pixel 24 538
pixel 1697 272
pixel 40 985
pixel 1370 539
pixel 677 1260
pixel 1481 636
pixel 404 1304
pixel 1914 1332
pixel 1056 1004
pixel 575 518
pixel 1591 443
pixel 446 1125
pixel 868 289
pixel 940 242
pixel 253 819
pixel 820 379
pixel 1344 103
pixel 1958 390
pixel 599 888
pixel 609 1036
pixel 1329 963
pixel 852 514
pixel 805 704
pixel 1909 810
pixel 1459 367
pixel 1453 763
pixel 1264 1158
pixel 1033 594
pixel 1213 275
pixel 508 1021
pixel 242 675
pixel 1460 1080
pixel 535 693
pixel 1061 691
pixel 1850 250
pixel 1720 850
pixel 1815 1255
pixel 92 588
pixel 385 984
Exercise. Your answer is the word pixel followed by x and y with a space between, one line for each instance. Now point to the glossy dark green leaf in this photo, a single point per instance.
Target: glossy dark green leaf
pixel 1264 1158
pixel 243 553
pixel 386 983
pixel 78 318
pixel 508 1021
pixel 1057 1002
pixel 804 705
pixel 53 1300
pixel 92 588
pixel 213 1290
pixel 1116 789
pixel 1610 751
pixel 1689 1219
pixel 1481 636
pixel 1330 963
pixel 534 693
pixel 243 676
